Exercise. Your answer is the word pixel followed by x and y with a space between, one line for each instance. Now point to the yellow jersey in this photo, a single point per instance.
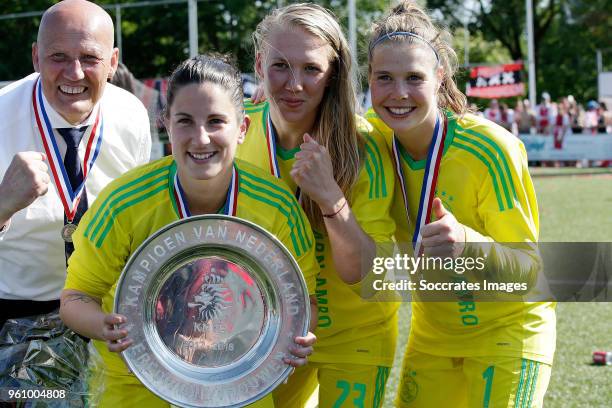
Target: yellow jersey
pixel 484 182
pixel 350 329
pixel 137 204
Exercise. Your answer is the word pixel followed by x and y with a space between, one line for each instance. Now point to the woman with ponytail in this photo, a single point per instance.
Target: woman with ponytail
pixel 206 122
pixel 463 192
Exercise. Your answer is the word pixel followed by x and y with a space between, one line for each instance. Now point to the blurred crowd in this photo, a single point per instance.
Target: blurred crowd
pixel 561 118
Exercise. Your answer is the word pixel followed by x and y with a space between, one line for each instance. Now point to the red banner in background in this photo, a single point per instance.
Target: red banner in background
pixel 498 81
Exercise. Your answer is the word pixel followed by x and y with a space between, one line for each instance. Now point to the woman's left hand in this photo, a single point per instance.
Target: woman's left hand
pixel 314 174
pixel 301 350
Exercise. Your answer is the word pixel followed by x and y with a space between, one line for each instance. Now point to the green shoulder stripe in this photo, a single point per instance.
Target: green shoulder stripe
pixel 500 154
pixel 492 162
pixel 264 119
pixel 379 180
pixel 287 200
pixel 371 176
pixel 471 150
pixel 297 239
pixel 171 175
pixel 122 192
pixel 244 189
pixel 251 107
pixel 278 197
pixel 254 109
pixel 163 187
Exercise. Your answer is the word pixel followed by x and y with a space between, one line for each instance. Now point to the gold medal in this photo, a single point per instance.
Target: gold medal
pixel 67 231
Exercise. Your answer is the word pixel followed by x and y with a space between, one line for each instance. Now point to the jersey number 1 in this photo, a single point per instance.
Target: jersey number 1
pixel 488 377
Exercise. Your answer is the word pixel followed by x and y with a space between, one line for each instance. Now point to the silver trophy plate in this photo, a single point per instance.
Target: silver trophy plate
pixel 213 304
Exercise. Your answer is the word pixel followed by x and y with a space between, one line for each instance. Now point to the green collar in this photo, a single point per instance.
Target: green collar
pixel 450 134
pixel 171 175
pixel 283 154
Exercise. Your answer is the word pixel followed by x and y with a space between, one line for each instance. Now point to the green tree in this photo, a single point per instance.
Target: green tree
pixel 567 62
pixel 502 20
pixel 17 36
pixel 566 35
pixel 155 38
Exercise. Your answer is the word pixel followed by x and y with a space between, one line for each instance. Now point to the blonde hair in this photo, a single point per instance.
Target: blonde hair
pixel 335 126
pixel 408 18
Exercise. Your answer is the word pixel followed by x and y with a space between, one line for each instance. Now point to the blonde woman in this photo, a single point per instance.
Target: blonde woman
pixel 308 135
pixel 461 179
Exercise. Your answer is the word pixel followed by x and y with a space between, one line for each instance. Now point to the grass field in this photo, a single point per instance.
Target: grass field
pixel 575 205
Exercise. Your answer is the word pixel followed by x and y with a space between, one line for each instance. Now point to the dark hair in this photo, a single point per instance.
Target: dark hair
pixel 123 78
pixel 217 69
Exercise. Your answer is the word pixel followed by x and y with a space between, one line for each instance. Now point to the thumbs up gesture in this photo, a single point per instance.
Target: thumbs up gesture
pixel 444 237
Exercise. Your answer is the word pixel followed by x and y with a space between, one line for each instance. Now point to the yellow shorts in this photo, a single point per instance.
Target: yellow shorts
pixel 128 391
pixel 340 386
pixel 474 382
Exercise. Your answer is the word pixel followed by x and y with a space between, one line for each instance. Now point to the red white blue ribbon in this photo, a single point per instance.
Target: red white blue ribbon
pixel 271 145
pixel 179 197
pixel 430 179
pixel 93 135
pixel 231 201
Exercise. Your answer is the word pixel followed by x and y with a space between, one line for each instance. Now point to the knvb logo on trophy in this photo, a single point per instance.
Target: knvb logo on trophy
pixel 212 299
pixel 199 309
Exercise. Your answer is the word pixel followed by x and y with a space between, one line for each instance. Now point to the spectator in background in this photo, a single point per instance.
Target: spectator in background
pixel 561 127
pixel 604 124
pixel 529 108
pixel 524 117
pixel 545 114
pixel 123 78
pixel 576 114
pixel 506 118
pixel 492 112
pixel 591 118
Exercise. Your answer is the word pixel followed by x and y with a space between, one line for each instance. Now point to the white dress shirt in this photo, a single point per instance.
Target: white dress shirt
pixel 32 259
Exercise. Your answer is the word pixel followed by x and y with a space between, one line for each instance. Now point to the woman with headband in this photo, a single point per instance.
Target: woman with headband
pixel 307 134
pixel 462 180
